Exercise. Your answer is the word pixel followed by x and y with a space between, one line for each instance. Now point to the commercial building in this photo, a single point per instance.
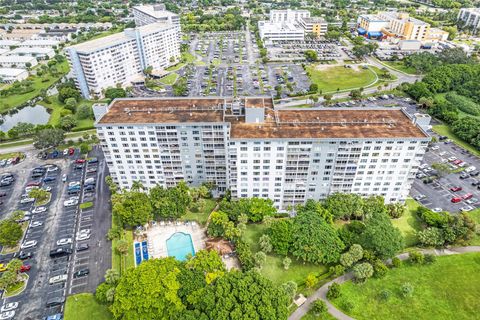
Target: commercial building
pixel 247 146
pixel 146 14
pixel 121 58
pixel 280 31
pixel 9 75
pixel 288 15
pixel 392 24
pixel 315 25
pixel 470 17
pixel 40 53
pixel 17 62
pixel 436 35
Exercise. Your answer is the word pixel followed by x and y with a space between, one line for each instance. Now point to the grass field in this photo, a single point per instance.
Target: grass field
pixel 445 130
pixel 400 66
pixel 169 79
pixel 311 316
pixel 12 155
pixel 408 224
pixel 83 306
pixel 201 217
pixel 273 268
pixel 15 100
pixel 333 78
pixel 446 289
pixel 475 216
pixel 56 108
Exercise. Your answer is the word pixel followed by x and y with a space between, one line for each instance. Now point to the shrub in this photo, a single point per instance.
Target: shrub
pixel 463 103
pixel 396 262
pixel 337 270
pixel 346 259
pixel 363 271
pixel 286 262
pixel 385 294
pixel 430 258
pixel 407 290
pixel 416 257
pixel 348 306
pixel 311 280
pixel 334 291
pixel 380 269
pixel 319 306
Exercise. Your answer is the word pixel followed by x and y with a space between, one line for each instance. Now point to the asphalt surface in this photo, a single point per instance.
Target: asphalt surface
pixel 61 222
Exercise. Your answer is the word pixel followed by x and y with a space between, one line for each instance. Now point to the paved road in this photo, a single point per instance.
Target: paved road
pixel 321 293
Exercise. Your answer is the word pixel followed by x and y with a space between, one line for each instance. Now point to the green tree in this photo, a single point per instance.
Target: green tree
pixel 71 104
pixel 132 207
pixel 10 232
pixel 314 240
pixel 290 288
pixel 206 261
pixel 396 210
pixel 311 55
pixel 319 307
pixel 346 260
pixel 148 291
pixel 260 258
pixel 8 278
pixel 40 195
pixel 85 112
pixel 14 265
pixel 265 243
pixel 122 246
pixel 238 295
pixel 344 205
pixel 47 138
pixel 311 280
pixel 68 122
pixel 407 290
pixel 112 93
pixel 68 92
pixel 334 291
pixel 286 263
pixel 218 224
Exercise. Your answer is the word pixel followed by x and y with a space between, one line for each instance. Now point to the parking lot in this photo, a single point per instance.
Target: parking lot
pixel 440 192
pixel 295 50
pixel 78 234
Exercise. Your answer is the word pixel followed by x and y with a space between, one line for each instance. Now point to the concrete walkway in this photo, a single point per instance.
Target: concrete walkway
pixel 321 293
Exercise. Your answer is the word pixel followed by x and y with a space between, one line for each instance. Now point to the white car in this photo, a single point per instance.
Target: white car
pixel 65 152
pixel 35 224
pixel 9 306
pixel 64 178
pixel 28 189
pixel 85 231
pixel 52 169
pixel 83 236
pixel 58 279
pixel 442 153
pixel 28 244
pixel 39 210
pixel 64 241
pixel 466 208
pixel 27 200
pixel 423 166
pixel 47 188
pixel 7 315
pixel 470 169
pixel 437 209
pixel 74 183
pixel 471 201
pixel 70 203
pixel 420 197
pixel 452 159
pixel 435 148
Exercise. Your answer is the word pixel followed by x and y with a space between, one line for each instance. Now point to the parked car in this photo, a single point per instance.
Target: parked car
pixel 28 244
pixel 83 236
pixel 92 160
pixel 39 210
pixel 89 187
pixel 455 189
pixel 9 306
pixel 25 255
pixel 467 196
pixel 81 273
pixel 456 199
pixel 437 209
pixel 7 315
pixel 64 241
pixel 464 175
pixel 80 161
pixel 474 173
pixel 60 252
pixel 35 224
pixel 34 184
pixel 27 200
pixel 25 268
pixel 70 203
pixel 58 279
pixel 466 208
pixel 49 179
pixel 55 301
pixel 82 247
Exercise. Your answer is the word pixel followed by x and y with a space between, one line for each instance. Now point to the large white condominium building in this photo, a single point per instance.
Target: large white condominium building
pixel 122 57
pixel 470 16
pixel 146 14
pixel 288 15
pixel 249 147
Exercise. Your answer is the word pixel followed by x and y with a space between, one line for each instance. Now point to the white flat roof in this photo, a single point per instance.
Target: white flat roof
pixel 11 72
pixel 20 59
pixel 40 42
pixel 9 42
pixel 2 51
pixel 150 10
pixel 117 38
pixel 38 50
pixel 269 27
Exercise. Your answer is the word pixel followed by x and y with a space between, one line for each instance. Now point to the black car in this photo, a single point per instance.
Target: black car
pixel 49 179
pixel 476 183
pixel 4 183
pixel 441 138
pixel 25 255
pixel 464 175
pixel 55 301
pixel 90 187
pixel 82 247
pixel 93 160
pixel 78 167
pixel 81 273
pixel 60 252
pixel 474 173
pixel 3 194
pixel 37 175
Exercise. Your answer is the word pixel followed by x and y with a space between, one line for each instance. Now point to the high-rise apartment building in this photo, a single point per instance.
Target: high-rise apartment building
pixel 156 13
pixel 120 58
pixel 288 15
pixel 394 24
pixel 470 17
pixel 255 150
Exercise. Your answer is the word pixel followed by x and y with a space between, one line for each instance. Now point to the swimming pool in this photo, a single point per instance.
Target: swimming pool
pixel 179 245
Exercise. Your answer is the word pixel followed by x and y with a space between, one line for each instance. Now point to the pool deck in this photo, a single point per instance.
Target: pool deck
pixel 157 236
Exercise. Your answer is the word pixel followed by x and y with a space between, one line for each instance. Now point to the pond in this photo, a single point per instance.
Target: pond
pixel 36 115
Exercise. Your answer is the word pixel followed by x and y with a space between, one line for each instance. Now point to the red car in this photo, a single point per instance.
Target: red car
pixel 456 199
pixel 71 151
pixel 455 189
pixel 34 184
pixel 80 161
pixel 467 196
pixel 25 268
pixel 457 162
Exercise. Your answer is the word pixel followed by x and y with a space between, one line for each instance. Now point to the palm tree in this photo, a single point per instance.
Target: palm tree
pixel 137 186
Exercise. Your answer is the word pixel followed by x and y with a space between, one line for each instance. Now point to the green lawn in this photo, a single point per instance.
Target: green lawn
pixel 56 108
pixel 447 289
pixel 13 101
pixel 445 130
pixel 12 155
pixel 169 79
pixel 201 217
pixel 475 216
pixel 338 77
pixel 273 268
pixel 400 66
pixel 83 306
pixel 119 262
pixel 408 224
pixel 311 316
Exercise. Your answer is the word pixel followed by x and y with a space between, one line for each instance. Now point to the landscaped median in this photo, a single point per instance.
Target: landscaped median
pixel 15 248
pixel 17 288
